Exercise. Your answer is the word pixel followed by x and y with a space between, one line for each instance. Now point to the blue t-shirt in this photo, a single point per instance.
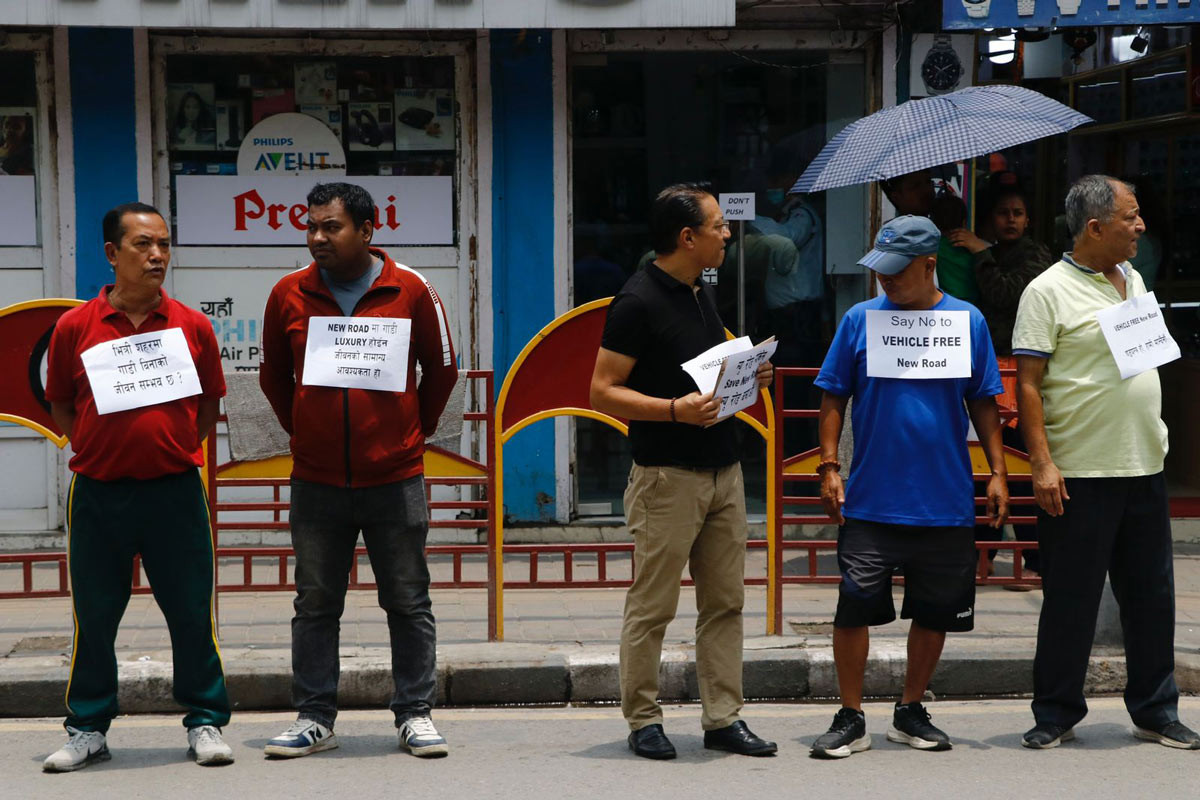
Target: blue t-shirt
pixel 911 465
pixel 348 294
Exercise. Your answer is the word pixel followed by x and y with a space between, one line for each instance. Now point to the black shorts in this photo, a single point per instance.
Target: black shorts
pixel 938 564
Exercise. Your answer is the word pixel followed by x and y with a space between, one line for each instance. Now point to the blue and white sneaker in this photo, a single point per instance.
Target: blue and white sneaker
pixel 305 736
pixel 419 737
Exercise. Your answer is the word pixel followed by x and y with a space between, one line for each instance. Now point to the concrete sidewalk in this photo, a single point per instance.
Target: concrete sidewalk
pixel 561 646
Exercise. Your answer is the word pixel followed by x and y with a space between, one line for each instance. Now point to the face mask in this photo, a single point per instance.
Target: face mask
pixel 776 196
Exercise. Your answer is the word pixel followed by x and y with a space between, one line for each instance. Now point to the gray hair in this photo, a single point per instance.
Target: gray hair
pixel 1092 197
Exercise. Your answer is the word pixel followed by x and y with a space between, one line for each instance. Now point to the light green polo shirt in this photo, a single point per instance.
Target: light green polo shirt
pixel 1097 425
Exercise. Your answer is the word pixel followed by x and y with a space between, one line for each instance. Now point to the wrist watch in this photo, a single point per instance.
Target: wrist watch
pixel 1025 7
pixel 977 9
pixel 941 70
pixel 1068 7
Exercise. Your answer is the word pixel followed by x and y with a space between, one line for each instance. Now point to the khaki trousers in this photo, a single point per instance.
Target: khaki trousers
pixel 679 516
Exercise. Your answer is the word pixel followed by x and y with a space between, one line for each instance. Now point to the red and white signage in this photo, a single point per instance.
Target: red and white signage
pixel 252 210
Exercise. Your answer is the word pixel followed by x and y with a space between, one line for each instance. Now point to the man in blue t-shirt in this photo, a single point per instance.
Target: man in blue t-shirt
pixel 917 362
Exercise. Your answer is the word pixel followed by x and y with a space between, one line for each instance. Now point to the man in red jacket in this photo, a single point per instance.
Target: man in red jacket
pixel 341 341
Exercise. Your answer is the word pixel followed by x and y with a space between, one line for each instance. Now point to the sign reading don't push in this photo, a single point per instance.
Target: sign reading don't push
pixel 918 344
pixel 358 353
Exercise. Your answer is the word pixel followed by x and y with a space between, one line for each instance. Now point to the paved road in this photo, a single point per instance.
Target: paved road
pixel 580 753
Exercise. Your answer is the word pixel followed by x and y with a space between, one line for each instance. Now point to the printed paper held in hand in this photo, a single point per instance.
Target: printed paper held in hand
pixel 1137 335
pixel 728 371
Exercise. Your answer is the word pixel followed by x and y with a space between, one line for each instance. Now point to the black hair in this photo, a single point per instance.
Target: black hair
pixel 204 117
pixel 675 208
pixel 112 226
pixel 355 199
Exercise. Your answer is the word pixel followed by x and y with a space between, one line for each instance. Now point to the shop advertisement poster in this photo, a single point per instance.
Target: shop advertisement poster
pixel 424 119
pixel 140 370
pixel 261 210
pixel 358 353
pixel 918 344
pixel 291 144
pixel 18 209
pixel 979 14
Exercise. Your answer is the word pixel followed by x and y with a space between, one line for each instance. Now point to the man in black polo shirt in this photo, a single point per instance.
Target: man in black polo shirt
pixel 685 502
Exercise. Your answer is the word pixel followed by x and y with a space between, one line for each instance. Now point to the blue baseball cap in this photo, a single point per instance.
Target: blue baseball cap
pixel 899 242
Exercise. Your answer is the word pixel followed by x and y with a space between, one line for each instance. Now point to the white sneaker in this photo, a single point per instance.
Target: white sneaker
pixel 207 747
pixel 82 748
pixel 304 737
pixel 419 737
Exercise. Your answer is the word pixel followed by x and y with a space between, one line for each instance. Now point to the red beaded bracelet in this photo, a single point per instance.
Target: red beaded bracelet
pixel 673 410
pixel 837 466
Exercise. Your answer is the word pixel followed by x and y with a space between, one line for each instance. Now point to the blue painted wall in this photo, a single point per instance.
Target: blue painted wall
pixel 523 243
pixel 105 158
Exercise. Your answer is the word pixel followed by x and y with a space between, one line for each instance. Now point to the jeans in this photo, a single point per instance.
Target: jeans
pixel 325 523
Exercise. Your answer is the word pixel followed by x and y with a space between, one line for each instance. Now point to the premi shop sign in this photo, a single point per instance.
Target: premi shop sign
pixel 272 210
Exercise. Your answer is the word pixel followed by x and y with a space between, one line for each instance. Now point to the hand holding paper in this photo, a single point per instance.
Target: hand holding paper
pixel 731 372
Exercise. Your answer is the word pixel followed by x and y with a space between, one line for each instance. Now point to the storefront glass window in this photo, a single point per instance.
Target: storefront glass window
pixel 18 150
pixel 641 121
pixel 378 117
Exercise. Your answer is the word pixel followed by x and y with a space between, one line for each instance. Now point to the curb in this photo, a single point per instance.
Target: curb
pixel 515 674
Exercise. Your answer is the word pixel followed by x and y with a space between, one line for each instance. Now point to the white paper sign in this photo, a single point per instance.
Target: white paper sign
pixel 918 344
pixel 727 370
pixel 739 205
pixel 253 210
pixel 737 388
pixel 1137 335
pixel 358 353
pixel 141 370
pixel 705 368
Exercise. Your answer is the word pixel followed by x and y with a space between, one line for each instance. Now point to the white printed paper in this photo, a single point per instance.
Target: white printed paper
pixel 737 386
pixel 706 367
pixel 918 344
pixel 727 370
pixel 141 370
pixel 358 353
pixel 1137 335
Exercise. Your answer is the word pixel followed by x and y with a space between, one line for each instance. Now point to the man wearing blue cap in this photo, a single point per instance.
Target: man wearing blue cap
pixel 917 362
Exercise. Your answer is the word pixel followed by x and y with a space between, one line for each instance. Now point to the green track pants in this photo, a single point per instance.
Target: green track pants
pixel 165 520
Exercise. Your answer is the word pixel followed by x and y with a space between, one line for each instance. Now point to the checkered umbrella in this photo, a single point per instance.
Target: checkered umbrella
pixel 939 130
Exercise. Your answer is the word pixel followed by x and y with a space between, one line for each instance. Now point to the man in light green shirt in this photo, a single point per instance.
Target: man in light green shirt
pixel 1096 448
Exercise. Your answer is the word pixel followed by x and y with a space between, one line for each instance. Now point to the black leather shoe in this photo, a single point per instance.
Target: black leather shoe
pixel 651 742
pixel 737 738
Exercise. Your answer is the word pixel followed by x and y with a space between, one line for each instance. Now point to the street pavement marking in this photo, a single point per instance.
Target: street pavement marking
pixel 558 713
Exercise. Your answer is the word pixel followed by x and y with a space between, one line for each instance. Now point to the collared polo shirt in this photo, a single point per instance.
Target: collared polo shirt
pixel 1097 425
pixel 662 323
pixel 140 443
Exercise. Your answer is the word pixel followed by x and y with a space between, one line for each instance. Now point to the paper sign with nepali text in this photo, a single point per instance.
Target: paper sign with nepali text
pixel 358 353
pixel 918 344
pixel 141 370
pixel 1137 335
pixel 728 372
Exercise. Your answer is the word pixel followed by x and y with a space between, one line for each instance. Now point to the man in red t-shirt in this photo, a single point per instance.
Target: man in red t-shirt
pixel 341 342
pixel 134 379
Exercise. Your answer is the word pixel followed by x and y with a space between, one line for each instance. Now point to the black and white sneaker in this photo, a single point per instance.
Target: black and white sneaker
pixel 1044 736
pixel 911 726
pixel 1173 734
pixel 846 736
pixel 304 737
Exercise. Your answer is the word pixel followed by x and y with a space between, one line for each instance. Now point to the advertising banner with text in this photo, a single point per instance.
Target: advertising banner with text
pixel 260 210
pixel 979 14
